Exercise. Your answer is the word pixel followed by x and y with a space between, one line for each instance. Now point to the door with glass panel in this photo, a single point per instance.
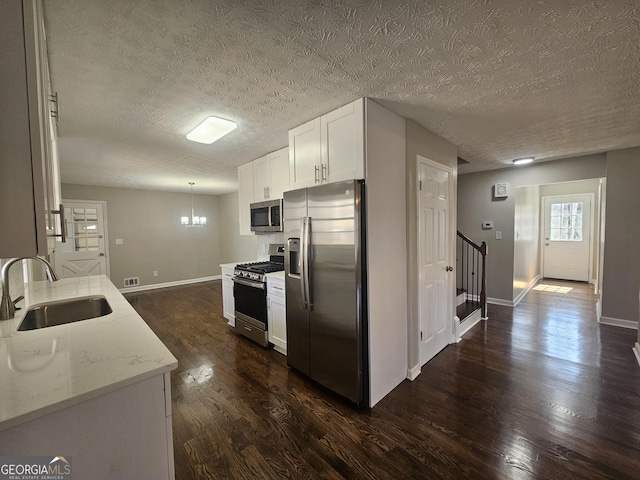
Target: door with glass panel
pixel 84 253
pixel 566 244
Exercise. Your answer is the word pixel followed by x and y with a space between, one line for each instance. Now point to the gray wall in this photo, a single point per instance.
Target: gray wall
pixel 153 239
pixel 421 142
pixel 621 272
pixel 476 204
pixel 233 246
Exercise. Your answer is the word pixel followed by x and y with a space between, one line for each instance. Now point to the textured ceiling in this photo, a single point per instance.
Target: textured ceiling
pixel 500 79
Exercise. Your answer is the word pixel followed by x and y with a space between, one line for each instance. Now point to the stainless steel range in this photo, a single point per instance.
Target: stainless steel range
pixel 250 295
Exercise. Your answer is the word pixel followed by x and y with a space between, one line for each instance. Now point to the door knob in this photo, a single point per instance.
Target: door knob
pixel 449 268
pixel 101 254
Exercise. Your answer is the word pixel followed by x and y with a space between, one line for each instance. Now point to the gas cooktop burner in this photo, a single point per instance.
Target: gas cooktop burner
pixel 257 270
pixel 261 267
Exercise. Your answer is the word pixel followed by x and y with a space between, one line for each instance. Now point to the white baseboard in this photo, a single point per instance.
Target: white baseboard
pixel 522 294
pixel 178 283
pixel 636 350
pixel 413 373
pixel 619 322
pixel 500 301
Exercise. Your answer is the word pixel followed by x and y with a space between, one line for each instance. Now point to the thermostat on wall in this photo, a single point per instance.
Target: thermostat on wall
pixel 500 190
pixel 487 225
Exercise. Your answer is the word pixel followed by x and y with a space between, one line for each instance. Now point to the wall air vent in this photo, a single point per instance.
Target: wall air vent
pixel 132 282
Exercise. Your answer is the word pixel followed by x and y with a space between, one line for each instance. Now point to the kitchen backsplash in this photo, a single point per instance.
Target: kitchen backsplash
pixel 264 240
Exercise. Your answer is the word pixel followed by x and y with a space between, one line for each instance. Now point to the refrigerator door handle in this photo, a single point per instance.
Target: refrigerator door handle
pixel 303 245
pixel 306 260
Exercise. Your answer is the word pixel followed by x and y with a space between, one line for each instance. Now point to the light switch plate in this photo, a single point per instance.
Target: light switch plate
pixel 498 235
pixel 119 241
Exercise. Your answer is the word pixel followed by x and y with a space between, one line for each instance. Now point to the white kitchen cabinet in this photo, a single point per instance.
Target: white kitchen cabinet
pixel 279 161
pixel 107 433
pixel 271 175
pixel 245 197
pixel 228 302
pixel 305 154
pixel 328 149
pixel 277 314
pixel 29 171
pixel 342 142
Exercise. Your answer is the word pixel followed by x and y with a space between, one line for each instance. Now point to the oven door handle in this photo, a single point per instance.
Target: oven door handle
pixel 248 283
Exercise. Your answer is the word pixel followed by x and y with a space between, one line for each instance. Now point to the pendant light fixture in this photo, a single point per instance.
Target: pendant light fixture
pixel 194 221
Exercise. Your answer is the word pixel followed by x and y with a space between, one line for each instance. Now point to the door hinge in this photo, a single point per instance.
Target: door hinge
pixel 420 182
pixel 420 336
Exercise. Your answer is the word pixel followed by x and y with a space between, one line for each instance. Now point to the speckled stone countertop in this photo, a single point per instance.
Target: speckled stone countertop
pixel 45 370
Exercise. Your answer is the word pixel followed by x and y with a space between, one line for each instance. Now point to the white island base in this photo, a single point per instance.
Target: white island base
pixel 122 434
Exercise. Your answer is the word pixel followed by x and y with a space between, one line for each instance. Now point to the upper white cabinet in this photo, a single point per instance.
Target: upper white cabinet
pixel 271 175
pixel 279 161
pixel 328 149
pixel 245 197
pixel 29 171
pixel 266 178
pixel 305 154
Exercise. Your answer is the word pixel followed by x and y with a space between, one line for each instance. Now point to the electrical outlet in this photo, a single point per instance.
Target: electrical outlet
pixel 155 273
pixel 119 241
pixel 498 235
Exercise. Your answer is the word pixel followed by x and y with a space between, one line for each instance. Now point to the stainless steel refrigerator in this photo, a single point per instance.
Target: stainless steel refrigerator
pixel 325 280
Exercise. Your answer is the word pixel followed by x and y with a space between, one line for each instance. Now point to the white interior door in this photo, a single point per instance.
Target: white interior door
pixel 84 253
pixel 567 237
pixel 434 256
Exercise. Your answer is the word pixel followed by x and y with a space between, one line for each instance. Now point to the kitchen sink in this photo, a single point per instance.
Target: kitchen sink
pixel 64 311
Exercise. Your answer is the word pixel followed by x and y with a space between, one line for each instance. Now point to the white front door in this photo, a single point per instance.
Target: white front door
pixel 434 257
pixel 567 237
pixel 84 253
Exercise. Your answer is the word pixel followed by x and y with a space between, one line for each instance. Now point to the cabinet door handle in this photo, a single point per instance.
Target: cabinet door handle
pixel 324 172
pixel 63 224
pixel 317 175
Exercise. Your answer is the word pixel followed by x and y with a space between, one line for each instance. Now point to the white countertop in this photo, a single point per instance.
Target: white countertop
pixel 276 275
pixel 45 370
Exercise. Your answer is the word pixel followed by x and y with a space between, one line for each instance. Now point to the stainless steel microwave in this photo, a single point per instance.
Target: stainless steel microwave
pixel 266 216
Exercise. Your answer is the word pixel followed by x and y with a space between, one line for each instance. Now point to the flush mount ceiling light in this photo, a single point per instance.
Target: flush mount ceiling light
pixel 523 161
pixel 193 221
pixel 212 129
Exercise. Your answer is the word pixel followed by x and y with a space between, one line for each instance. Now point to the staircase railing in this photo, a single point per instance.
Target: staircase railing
pixel 471 274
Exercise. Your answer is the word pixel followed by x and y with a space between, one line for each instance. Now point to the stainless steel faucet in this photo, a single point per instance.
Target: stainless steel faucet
pixel 8 306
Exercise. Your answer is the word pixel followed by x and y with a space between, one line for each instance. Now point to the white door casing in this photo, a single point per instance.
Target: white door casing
pixel 85 252
pixel 435 297
pixel 567 250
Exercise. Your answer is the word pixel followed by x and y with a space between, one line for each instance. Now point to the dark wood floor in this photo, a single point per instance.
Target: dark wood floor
pixel 539 391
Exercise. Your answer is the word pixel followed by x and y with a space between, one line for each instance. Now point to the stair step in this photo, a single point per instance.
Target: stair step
pixel 466 309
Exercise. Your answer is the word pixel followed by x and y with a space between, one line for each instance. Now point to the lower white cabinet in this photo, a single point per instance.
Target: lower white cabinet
pixel 125 433
pixel 228 302
pixel 277 314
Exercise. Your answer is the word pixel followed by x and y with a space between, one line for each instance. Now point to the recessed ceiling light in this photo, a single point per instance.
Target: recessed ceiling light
pixel 523 161
pixel 212 129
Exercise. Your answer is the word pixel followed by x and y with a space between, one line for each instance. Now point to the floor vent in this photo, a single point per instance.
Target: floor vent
pixel 131 282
